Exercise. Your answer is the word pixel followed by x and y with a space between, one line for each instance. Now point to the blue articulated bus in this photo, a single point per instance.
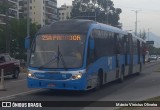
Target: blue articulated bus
pixel 82 55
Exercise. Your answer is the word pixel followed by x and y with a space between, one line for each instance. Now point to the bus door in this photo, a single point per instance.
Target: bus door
pixel 126 49
pixel 139 51
pixel 116 50
pixel 130 53
pixel 145 53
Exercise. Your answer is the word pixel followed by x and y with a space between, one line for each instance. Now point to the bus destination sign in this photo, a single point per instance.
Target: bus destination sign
pixel 61 37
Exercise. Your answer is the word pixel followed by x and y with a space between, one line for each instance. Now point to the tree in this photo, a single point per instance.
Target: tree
pixel 2 38
pixel 100 10
pixel 18 30
pixel 143 34
pixel 4 9
pixel 4 6
pixel 13 32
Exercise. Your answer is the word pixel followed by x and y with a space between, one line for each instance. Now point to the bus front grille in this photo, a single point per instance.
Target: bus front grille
pixel 53 76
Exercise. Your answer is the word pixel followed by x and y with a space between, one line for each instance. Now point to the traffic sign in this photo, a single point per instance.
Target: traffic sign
pixel 150 42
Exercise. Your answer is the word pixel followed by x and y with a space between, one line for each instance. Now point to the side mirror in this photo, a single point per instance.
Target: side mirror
pixel 27 42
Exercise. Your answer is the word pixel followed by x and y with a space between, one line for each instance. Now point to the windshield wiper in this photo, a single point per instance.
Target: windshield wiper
pixel 53 60
pixel 60 56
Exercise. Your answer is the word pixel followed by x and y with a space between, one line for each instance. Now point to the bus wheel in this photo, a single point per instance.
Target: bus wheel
pixel 121 79
pixel 99 81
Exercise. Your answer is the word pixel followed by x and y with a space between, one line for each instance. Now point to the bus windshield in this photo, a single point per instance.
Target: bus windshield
pixel 57 51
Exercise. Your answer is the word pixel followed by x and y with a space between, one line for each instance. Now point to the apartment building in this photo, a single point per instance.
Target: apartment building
pixel 8 10
pixel 64 12
pixel 42 12
pixel 22 10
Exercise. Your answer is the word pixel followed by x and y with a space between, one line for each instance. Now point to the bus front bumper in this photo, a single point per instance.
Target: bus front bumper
pixel 79 84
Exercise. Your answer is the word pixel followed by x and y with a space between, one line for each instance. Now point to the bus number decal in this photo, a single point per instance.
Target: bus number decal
pixel 46 37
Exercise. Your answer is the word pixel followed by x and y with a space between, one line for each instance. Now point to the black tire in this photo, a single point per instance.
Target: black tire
pixel 16 74
pixel 99 81
pixel 98 86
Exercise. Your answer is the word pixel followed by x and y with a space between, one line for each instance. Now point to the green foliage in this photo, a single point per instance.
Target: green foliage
pixel 4 6
pixel 12 35
pixel 18 32
pixel 100 10
pixel 153 50
pixel 2 38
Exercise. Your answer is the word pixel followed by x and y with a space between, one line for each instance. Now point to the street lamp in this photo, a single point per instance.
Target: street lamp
pixel 107 11
pixel 28 31
pixel 136 11
pixel 28 20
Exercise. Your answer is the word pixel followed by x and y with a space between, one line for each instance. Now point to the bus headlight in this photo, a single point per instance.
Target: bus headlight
pixel 77 76
pixel 31 75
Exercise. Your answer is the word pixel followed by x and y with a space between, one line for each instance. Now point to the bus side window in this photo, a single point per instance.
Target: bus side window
pixel 90 51
pixel 117 47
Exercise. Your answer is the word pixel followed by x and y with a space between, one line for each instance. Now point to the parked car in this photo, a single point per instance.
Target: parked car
pixel 153 57
pixel 10 65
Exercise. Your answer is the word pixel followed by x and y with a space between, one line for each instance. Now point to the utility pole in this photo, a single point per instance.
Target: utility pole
pixel 28 20
pixel 107 11
pixel 28 29
pixel 136 11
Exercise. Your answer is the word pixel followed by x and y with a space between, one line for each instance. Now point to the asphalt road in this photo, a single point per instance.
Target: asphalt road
pixel 134 88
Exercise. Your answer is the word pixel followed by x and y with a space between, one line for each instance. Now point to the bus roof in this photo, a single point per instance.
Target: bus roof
pixel 112 29
pixel 140 39
pixel 67 26
pixel 76 26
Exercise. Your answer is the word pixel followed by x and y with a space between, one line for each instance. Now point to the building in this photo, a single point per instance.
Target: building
pixel 8 10
pixel 64 12
pixel 21 9
pixel 42 12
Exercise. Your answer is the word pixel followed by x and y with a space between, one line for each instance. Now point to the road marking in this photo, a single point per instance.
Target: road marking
pixel 14 95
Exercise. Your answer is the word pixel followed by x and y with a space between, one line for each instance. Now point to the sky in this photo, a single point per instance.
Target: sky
pixel 148 14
